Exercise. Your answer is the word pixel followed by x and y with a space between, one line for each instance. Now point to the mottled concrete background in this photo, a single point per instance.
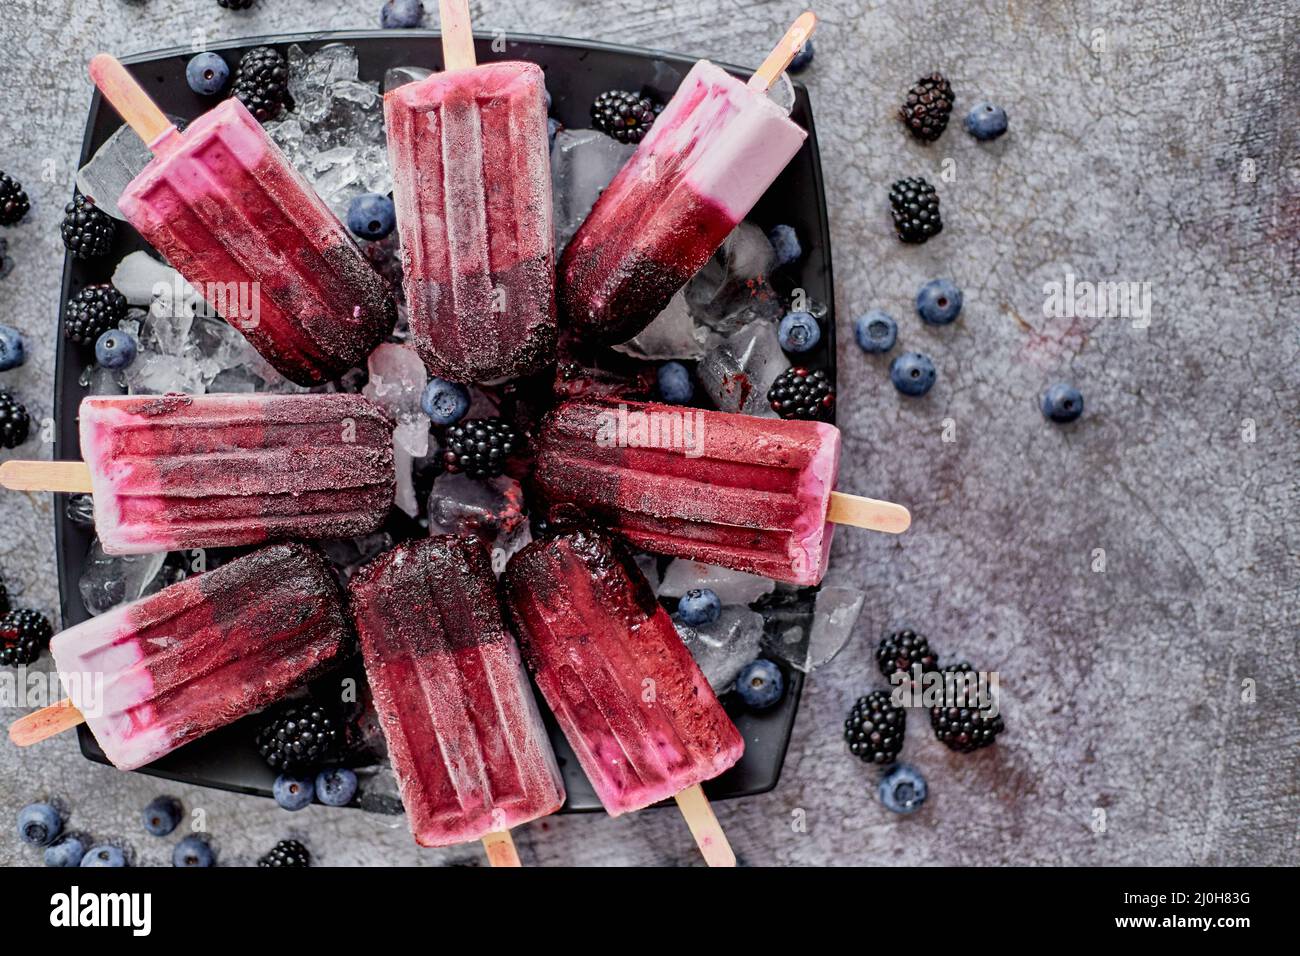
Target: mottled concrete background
pixel 1157 146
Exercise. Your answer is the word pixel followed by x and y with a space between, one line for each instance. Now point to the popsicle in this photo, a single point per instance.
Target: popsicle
pixel 630 699
pixel 152 675
pixel 753 494
pixel 227 209
pixel 197 471
pixel 709 157
pixel 472 186
pixel 465 738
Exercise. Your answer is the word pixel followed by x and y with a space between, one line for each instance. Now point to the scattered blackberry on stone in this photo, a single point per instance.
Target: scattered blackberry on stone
pixel 799 393
pixel 235 4
pixel 927 107
pixel 23 635
pixel 13 201
pixel 901 650
pixel 915 206
pixel 92 312
pixel 964 729
pixel 625 116
pixel 287 853
pixel 479 447
pixel 87 230
pixel 14 421
pixel 301 738
pixel 875 728
pixel 262 83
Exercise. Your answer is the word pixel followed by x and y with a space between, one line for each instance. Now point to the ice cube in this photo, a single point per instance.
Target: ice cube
pixel 732 289
pixel 782 92
pixel 107 174
pixel 404 466
pixel 583 161
pixel 109 580
pixel 153 373
pixel 401 75
pixel 80 510
pixel 834 617
pixel 397 379
pixel 312 77
pixel 731 587
pixel 349 554
pixel 673 334
pixel 723 648
pixel 143 280
pixel 737 374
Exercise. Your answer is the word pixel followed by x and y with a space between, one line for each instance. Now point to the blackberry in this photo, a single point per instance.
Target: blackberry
pixel 87 230
pixel 963 729
pixel 13 201
pixel 799 393
pixel 287 853
pixel 23 635
pixel 875 728
pixel 927 107
pixel 301 738
pixel 901 650
pixel 235 4
pixel 14 421
pixel 92 312
pixel 625 116
pixel 479 447
pixel 262 83
pixel 915 206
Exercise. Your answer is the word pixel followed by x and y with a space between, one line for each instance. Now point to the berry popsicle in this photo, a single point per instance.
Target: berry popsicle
pixel 464 734
pixel 630 699
pixel 152 675
pixel 472 186
pixel 708 158
pixel 753 494
pixel 180 471
pixel 227 209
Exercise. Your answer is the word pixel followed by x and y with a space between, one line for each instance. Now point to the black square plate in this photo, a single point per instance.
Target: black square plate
pixel 576 71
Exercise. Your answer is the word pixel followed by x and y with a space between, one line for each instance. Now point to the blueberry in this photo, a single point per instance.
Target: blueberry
pixel 67 852
pixel 105 854
pixel 1062 403
pixel 293 793
pixel 444 402
pixel 371 216
pixel 115 349
pixel 799 332
pixel 903 790
pixel 13 350
pixel 912 373
pixel 336 787
pixel 939 302
pixel 162 815
pixel 876 331
pixel 786 243
pixel 39 824
pixel 675 383
pixel 206 73
pixel 553 126
pixel 760 684
pixel 698 606
pixel 986 121
pixel 401 14
pixel 801 59
pixel 193 851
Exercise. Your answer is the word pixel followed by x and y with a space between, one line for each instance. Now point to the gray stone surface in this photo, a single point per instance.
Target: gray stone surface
pixel 1156 146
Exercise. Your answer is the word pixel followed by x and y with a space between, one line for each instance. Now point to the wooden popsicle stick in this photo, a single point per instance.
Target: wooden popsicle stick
pixel 457 35
pixel 705 827
pixel 132 102
pixel 868 513
pixel 69 476
pixel 44 723
pixel 500 849
pixel 785 51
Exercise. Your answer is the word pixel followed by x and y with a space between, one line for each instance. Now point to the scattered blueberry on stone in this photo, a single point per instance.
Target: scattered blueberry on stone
pixel 876 331
pixel 13 350
pixel 760 684
pixel 939 302
pixel 66 852
pixel 39 824
pixel 903 790
pixel 192 852
pixel 699 606
pixel 986 122
pixel 162 815
pixel 336 787
pixel 401 14
pixel 912 373
pixel 1062 403
pixel 105 854
pixel 293 793
pixel 802 58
